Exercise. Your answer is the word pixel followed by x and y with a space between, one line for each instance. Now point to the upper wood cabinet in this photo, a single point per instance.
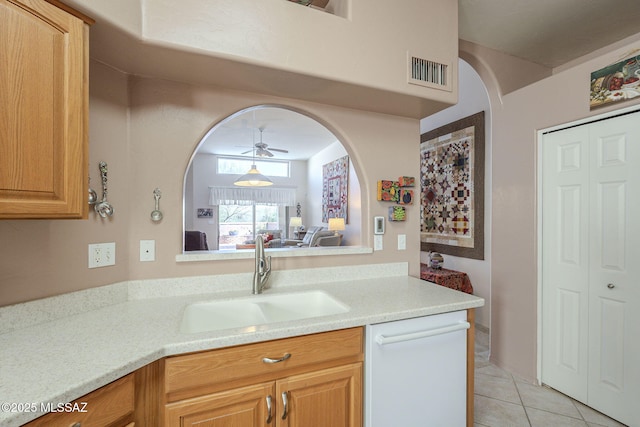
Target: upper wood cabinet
pixel 44 115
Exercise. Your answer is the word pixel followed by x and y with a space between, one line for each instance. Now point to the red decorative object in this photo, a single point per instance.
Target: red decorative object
pixel 448 278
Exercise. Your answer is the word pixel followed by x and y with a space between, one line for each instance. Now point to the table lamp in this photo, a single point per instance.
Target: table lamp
pixel 336 224
pixel 295 222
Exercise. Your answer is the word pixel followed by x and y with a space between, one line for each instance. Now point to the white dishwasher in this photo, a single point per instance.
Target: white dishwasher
pixel 416 372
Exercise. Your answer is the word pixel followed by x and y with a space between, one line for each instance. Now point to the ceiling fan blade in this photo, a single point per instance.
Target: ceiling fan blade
pixel 279 149
pixel 247 152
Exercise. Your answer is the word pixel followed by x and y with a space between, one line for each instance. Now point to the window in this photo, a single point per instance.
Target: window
pixel 242 212
pixel 240 223
pixel 240 166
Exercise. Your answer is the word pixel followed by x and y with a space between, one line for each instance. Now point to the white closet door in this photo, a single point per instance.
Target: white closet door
pixel 614 292
pixel 591 265
pixel 565 268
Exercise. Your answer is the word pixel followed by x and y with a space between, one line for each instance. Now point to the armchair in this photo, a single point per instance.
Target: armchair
pixel 307 237
pixel 326 238
pixel 195 241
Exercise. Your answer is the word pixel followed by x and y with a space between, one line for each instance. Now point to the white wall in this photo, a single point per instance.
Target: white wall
pixel 473 99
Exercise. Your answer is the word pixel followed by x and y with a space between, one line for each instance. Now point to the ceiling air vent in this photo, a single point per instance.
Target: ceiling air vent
pixel 429 73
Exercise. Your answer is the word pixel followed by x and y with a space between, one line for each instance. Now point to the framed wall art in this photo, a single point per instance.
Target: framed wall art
pixel 452 188
pixel 205 213
pixel 335 185
pixel 616 82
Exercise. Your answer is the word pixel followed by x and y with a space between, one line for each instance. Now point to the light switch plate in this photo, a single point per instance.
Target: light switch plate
pixel 147 250
pixel 377 242
pixel 402 242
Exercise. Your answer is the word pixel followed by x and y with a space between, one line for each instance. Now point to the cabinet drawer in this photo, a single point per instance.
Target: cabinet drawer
pixel 200 370
pixel 104 406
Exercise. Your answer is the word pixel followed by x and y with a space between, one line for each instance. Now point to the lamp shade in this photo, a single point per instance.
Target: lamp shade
pixel 295 221
pixel 253 178
pixel 336 224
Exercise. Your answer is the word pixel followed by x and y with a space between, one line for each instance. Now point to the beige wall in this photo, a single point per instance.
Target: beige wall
pixel 277 47
pixel 40 258
pixel 146 130
pixel 561 98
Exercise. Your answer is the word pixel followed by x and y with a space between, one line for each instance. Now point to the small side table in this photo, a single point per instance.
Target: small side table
pixel 449 278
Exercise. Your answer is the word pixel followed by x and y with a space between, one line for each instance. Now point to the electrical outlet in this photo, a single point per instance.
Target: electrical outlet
pixel 102 254
pixel 147 250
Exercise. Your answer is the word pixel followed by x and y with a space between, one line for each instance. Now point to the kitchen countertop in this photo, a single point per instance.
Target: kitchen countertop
pixel 68 355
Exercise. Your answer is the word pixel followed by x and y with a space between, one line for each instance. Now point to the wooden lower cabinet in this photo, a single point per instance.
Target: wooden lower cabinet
pixel 325 398
pixel 314 386
pixel 109 406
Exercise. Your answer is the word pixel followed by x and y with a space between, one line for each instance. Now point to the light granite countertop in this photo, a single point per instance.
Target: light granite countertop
pixel 58 349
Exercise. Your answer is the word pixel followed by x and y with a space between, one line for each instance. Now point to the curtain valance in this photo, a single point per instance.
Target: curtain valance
pixel 249 196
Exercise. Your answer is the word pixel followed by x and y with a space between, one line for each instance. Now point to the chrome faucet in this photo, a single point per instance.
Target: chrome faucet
pixel 263 267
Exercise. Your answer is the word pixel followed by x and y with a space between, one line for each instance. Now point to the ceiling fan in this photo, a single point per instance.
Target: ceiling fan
pixel 262 149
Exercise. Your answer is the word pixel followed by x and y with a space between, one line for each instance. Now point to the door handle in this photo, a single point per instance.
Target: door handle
pixel 285 403
pixel 269 408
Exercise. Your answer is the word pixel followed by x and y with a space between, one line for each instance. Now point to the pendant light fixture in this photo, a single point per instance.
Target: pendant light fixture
pixel 253 178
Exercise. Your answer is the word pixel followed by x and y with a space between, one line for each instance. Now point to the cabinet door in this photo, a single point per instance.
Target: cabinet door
pixel 327 398
pixel 43 119
pixel 241 407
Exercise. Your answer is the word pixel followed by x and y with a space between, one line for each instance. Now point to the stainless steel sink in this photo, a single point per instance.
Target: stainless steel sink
pixel 258 310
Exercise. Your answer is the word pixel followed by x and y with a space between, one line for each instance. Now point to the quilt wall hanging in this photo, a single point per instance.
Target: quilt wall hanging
pixel 335 185
pixel 452 188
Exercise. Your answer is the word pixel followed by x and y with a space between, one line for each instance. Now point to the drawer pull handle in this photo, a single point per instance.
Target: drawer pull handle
pixel 282 359
pixel 285 403
pixel 269 414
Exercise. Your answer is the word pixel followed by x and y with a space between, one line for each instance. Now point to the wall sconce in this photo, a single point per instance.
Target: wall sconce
pixel 336 224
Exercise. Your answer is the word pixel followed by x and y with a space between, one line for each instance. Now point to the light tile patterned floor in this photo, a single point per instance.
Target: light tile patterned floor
pixel 504 400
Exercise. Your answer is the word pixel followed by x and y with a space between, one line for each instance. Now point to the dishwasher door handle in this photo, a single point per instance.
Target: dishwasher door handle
pixel 392 339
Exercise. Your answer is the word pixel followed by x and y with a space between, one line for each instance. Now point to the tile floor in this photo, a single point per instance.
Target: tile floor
pixel 504 400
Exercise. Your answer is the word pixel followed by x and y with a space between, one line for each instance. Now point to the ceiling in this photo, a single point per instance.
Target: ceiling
pixel 281 128
pixel 547 32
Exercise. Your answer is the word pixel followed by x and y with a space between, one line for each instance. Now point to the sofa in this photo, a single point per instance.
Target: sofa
pixel 316 236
